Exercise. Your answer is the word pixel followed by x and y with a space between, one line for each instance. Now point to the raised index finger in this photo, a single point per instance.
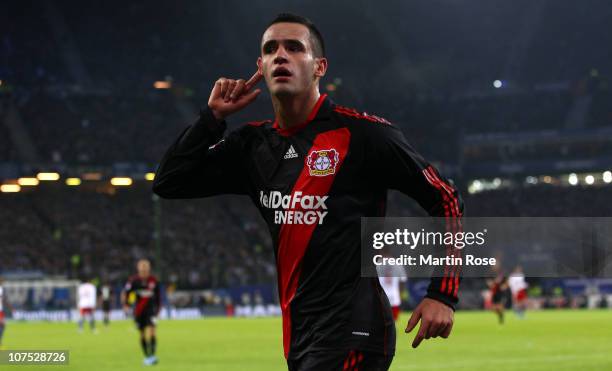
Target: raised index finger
pixel 253 80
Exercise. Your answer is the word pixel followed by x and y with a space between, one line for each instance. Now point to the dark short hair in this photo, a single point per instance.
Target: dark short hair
pixel 316 39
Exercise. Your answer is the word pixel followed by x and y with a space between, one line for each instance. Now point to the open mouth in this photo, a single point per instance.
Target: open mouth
pixel 281 72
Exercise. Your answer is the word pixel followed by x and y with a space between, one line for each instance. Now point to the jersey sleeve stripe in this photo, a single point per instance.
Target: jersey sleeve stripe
pixel 431 180
pixel 456 224
pixel 450 281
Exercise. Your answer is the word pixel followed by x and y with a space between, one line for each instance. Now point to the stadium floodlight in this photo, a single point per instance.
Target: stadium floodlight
pixel 589 179
pixel 162 85
pixel 28 181
pixel 91 176
pixel 121 181
pixel 73 181
pixel 572 179
pixel 475 187
pixel 150 176
pixel 10 188
pixel 48 176
pixel 607 176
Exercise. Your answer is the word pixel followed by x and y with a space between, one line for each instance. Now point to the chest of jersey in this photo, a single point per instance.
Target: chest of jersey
pixel 144 289
pixel 296 173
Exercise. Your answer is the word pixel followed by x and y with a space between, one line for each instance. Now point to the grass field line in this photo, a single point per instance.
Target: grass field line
pixel 516 359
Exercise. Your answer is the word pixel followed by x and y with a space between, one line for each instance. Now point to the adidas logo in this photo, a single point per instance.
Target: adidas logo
pixel 291 153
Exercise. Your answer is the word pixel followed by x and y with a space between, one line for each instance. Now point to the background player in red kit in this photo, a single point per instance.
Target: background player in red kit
pixel 498 288
pixel 313 172
pixel 147 304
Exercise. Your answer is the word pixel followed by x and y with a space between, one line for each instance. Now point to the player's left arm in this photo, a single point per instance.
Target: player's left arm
pixel 407 171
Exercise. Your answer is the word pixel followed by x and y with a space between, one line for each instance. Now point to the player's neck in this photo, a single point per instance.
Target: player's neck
pixel 294 110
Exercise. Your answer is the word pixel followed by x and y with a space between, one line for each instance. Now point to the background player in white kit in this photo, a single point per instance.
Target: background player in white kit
pixel 518 287
pixel 391 278
pixel 86 299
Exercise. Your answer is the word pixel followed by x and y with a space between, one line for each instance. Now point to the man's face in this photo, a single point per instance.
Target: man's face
pixel 144 268
pixel 287 61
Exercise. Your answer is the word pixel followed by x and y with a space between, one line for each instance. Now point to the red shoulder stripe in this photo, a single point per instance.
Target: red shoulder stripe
pixel 360 115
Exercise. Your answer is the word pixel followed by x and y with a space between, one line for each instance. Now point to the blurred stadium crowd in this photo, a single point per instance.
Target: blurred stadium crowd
pixel 77 95
pixel 206 243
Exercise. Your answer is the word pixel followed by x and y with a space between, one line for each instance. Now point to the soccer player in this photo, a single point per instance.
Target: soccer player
pixel 518 287
pixel 86 303
pixel 105 295
pixel 498 287
pixel 391 278
pixel 313 172
pixel 147 305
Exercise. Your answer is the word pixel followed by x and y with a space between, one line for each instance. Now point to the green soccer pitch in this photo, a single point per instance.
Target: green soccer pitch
pixel 545 340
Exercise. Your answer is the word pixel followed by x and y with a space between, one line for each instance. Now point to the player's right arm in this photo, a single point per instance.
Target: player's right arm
pixel 200 163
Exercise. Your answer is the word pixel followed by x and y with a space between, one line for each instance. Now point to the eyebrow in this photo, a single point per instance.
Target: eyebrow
pixel 275 41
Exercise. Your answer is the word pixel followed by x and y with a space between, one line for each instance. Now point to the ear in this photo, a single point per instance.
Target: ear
pixel 260 66
pixel 320 67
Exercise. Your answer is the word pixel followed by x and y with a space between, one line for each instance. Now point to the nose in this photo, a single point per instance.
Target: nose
pixel 281 55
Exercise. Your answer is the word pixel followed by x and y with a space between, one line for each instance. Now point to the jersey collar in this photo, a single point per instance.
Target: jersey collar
pixel 320 110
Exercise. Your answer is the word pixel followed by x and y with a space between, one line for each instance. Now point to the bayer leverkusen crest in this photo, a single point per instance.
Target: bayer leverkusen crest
pixel 322 162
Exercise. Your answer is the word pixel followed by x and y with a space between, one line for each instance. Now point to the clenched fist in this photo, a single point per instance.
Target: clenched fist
pixel 229 96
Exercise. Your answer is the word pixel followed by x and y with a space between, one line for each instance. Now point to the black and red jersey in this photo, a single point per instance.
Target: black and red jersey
pixel 148 295
pixel 312 183
pixel 498 285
